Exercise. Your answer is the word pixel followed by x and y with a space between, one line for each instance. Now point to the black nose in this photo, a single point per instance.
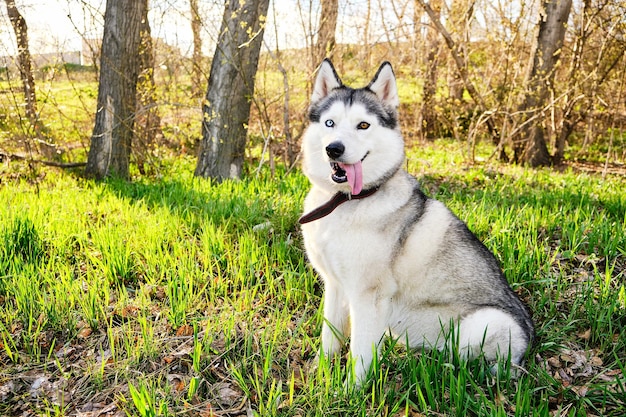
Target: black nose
pixel 335 150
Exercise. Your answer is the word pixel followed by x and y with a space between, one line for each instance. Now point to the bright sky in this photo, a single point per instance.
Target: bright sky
pixel 57 25
pixel 48 24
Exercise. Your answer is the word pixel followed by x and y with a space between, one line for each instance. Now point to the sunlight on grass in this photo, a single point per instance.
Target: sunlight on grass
pixel 161 297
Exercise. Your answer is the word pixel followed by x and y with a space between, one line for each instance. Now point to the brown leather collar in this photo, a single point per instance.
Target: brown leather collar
pixel 338 199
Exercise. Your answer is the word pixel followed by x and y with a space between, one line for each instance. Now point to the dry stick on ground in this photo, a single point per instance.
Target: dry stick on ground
pixel 459 60
pixel 8 156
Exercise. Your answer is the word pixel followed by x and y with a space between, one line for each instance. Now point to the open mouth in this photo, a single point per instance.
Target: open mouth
pixel 338 173
pixel 350 173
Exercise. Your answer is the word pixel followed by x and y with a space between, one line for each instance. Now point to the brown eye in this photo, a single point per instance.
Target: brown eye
pixel 363 126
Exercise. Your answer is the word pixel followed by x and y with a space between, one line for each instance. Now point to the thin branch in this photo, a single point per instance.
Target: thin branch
pixel 459 60
pixel 9 156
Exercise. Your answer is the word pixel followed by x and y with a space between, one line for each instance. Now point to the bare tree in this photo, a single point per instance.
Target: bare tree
pixel 427 119
pixel 598 50
pixel 459 20
pixel 326 33
pixel 147 125
pixel 226 109
pixel 531 146
pixel 24 61
pixel 458 56
pixel 196 60
pixel 109 153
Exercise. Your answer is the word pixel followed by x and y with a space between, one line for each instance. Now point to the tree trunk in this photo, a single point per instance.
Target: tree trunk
pixel 531 147
pixel 196 60
pixel 459 23
pixel 427 119
pixel 109 153
pixel 147 120
pixel 24 61
pixel 327 27
pixel 226 109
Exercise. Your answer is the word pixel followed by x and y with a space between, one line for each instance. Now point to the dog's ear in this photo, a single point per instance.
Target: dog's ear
pixel 384 85
pixel 326 81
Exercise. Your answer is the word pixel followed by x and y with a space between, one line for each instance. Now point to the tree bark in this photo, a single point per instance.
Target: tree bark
pixel 109 153
pixel 327 27
pixel 24 60
pixel 427 119
pixel 147 120
pixel 196 61
pixel 459 21
pixel 531 146
pixel 226 108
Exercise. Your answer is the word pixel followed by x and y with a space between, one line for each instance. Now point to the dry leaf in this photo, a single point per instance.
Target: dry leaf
pixel 84 332
pixel 596 361
pixel 39 385
pixel 580 391
pixel 7 390
pixel 226 394
pixel 586 335
pixel 129 311
pixel 184 330
pixel 554 362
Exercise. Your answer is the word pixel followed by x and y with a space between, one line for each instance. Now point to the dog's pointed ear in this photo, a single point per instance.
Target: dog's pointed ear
pixel 326 81
pixel 384 85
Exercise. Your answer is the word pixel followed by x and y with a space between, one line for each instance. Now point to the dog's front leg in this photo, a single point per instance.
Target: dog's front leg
pixel 335 319
pixel 369 322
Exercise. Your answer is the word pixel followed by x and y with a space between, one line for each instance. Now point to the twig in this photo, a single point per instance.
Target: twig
pixel 459 60
pixel 4 155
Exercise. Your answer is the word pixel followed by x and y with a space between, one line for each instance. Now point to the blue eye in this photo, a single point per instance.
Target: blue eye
pixel 329 123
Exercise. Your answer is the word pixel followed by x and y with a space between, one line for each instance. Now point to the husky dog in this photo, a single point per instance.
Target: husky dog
pixel 393 260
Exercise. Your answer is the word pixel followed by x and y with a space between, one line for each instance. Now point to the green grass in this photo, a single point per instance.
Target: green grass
pixel 66 107
pixel 161 297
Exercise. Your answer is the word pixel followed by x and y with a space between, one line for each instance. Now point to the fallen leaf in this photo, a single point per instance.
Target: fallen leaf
pixel 7 389
pixel 39 386
pixel 65 351
pixel 586 335
pixel 554 362
pixel 129 311
pixel 84 332
pixel 562 375
pixel 596 361
pixel 226 394
pixel 178 381
pixel 580 391
pixel 184 330
pixel 183 351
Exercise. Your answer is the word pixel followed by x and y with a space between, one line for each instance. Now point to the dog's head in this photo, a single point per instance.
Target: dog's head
pixel 353 141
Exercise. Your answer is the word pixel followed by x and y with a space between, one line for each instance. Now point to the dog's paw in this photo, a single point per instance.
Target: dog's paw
pixel 513 372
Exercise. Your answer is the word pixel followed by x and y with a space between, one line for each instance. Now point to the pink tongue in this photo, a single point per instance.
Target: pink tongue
pixel 354 172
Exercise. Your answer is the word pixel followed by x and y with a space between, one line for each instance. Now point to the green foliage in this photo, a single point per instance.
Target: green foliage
pixel 146 401
pixel 179 296
pixel 20 244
